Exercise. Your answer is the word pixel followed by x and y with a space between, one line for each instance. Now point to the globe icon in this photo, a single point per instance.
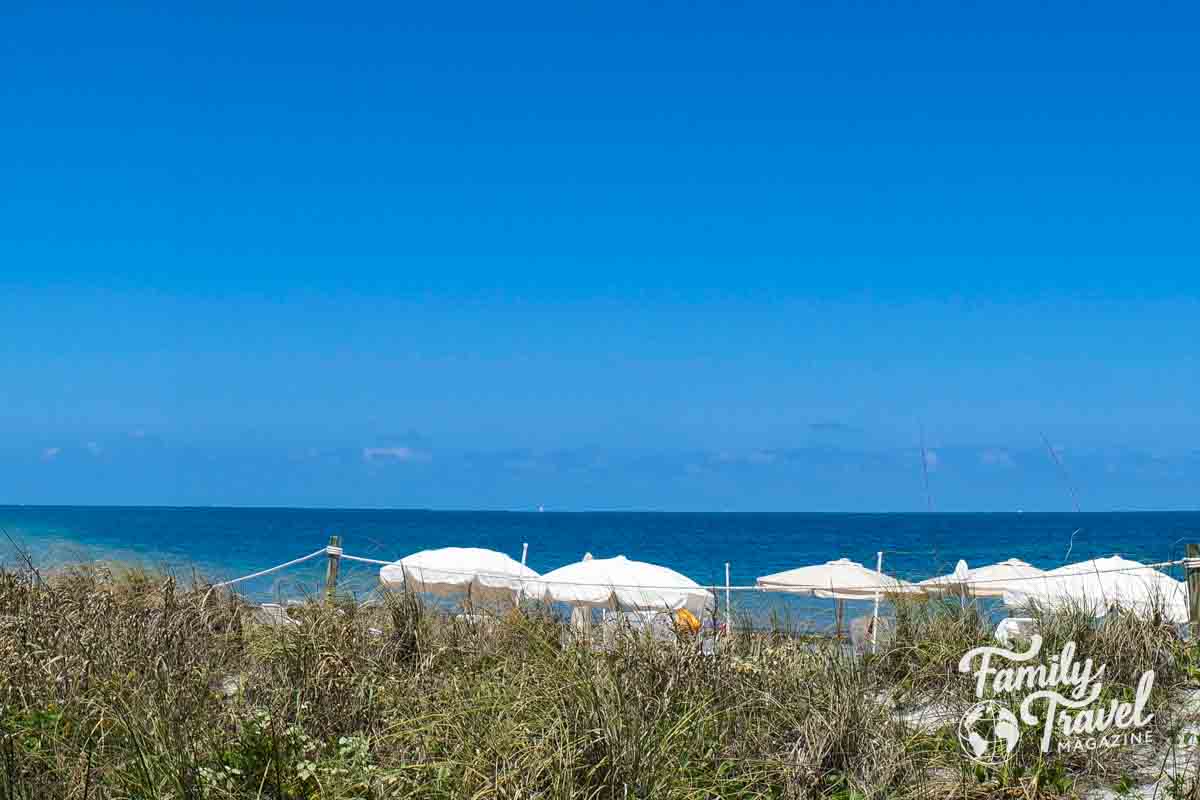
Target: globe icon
pixel 988 733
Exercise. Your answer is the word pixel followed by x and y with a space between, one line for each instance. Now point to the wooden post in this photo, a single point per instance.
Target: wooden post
pixel 1193 584
pixel 331 569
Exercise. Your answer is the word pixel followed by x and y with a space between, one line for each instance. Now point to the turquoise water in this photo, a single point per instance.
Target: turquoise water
pixel 223 543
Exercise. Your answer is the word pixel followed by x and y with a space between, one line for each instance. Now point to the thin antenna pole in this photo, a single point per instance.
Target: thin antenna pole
pixel 925 472
pixel 1062 468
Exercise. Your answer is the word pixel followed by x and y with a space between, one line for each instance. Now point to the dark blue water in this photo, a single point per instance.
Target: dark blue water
pixel 227 542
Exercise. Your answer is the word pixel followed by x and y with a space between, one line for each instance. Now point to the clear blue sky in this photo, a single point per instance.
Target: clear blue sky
pixel 599 256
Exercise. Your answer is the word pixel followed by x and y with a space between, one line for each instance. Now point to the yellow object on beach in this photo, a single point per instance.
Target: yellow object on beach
pixel 685 621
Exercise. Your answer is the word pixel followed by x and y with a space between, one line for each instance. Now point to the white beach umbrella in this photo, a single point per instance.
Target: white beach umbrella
pixel 840 580
pixel 620 584
pixel 482 574
pixel 990 581
pixel 954 582
pixel 1098 585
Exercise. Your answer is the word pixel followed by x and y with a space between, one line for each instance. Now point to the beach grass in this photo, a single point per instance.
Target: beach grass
pixel 124 684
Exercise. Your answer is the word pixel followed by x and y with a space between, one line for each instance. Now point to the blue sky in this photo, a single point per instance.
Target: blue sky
pixel 596 256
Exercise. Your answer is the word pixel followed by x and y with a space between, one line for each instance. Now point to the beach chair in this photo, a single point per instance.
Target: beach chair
pixel 272 614
pixel 1014 629
pixel 860 633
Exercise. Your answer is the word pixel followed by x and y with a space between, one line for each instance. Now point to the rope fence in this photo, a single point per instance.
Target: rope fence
pixel 261 573
pixel 865 590
pixel 802 596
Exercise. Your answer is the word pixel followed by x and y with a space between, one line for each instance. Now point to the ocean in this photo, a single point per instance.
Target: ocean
pixel 222 543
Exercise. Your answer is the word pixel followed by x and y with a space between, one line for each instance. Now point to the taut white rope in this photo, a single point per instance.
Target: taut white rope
pixel 276 568
pixel 337 551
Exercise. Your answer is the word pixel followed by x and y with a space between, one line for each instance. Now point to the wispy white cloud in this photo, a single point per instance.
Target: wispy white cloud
pixel 749 457
pixel 408 454
pixel 832 427
pixel 51 453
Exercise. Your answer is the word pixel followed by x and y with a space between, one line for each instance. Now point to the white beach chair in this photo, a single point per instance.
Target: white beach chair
pixel 860 632
pixel 1013 629
pixel 272 614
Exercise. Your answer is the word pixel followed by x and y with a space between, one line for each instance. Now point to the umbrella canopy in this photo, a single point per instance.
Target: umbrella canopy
pixel 841 580
pixel 990 581
pixel 621 585
pixel 483 574
pixel 1102 583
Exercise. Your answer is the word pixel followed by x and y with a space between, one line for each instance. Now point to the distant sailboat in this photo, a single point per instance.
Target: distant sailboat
pixel 541 508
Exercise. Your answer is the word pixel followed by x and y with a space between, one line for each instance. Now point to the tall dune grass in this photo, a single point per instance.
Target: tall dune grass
pixel 129 686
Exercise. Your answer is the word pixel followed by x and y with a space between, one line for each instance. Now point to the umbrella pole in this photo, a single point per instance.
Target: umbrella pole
pixel 875 616
pixel 728 611
pixel 839 616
